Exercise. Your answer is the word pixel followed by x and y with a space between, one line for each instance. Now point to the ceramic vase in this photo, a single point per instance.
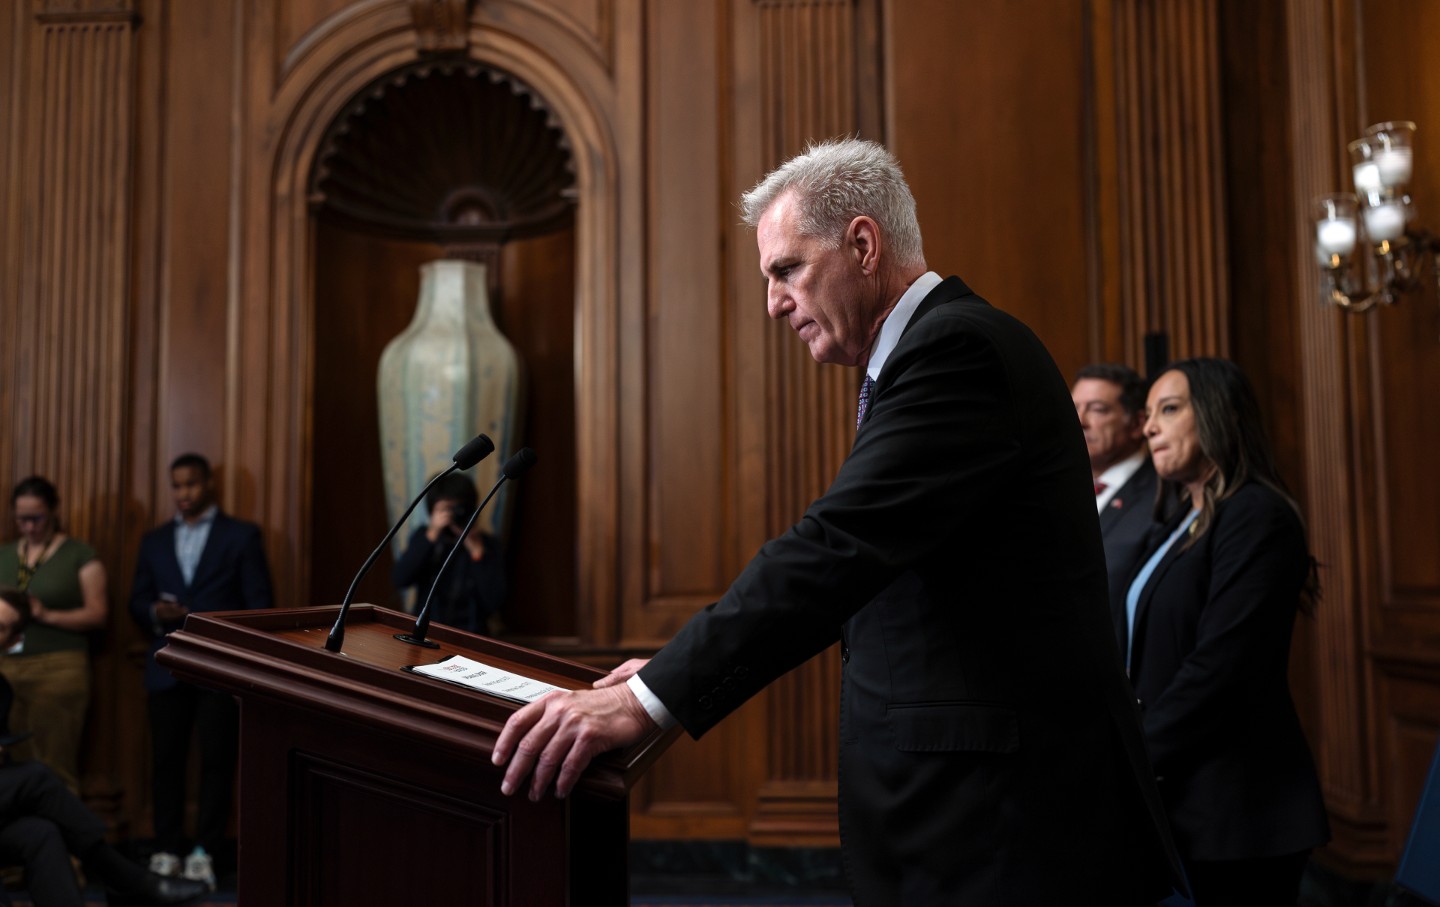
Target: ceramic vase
pixel 449 375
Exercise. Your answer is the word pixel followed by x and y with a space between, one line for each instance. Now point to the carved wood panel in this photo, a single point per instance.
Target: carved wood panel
pixel 66 387
pixel 73 268
pixel 812 59
pixel 1398 428
pixel 1172 234
pixel 686 382
pixel 1367 440
pixel 1004 188
pixel 1406 339
pixel 1327 380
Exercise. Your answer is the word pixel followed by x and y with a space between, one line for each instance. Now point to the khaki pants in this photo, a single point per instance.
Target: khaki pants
pixel 52 694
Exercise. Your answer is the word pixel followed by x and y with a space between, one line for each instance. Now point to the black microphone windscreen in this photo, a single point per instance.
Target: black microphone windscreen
pixel 478 449
pixel 520 461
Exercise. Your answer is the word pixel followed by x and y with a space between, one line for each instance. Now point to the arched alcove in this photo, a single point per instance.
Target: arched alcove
pixel 572 280
pixel 443 159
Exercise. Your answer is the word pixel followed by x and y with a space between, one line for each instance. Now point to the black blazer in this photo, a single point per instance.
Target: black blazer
pixel 990 750
pixel 1125 527
pixel 232 574
pixel 1209 666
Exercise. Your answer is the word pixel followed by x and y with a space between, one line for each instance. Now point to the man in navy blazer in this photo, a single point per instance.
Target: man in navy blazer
pixel 202 560
pixel 1110 401
pixel 990 751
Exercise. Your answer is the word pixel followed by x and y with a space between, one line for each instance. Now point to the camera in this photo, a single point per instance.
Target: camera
pixel 458 518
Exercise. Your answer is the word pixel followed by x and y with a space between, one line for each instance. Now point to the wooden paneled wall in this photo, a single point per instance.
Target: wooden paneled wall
pixel 1102 168
pixel 1367 387
pixel 1171 191
pixel 66 317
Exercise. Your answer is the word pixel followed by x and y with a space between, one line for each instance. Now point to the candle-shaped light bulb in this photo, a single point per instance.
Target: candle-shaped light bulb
pixel 1335 236
pixel 1367 178
pixel 1394 166
pixel 1385 221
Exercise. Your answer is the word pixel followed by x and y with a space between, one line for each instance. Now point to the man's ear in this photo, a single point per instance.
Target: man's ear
pixel 1137 427
pixel 862 237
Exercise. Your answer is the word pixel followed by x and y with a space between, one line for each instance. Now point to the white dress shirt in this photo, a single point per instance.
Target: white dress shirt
pixel 1116 476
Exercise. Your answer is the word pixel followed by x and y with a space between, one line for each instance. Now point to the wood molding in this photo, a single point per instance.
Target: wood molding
pixel 810 65
pixel 75 267
pixel 594 23
pixel 1343 747
pixel 441 26
pixel 273 349
pixel 86 12
pixel 1169 157
pixel 1368 489
pixel 68 338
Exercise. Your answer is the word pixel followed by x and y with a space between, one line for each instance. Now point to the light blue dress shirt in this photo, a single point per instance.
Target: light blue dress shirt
pixel 1132 598
pixel 190 539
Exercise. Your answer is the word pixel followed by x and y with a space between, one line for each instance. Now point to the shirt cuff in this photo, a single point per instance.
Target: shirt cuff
pixel 658 713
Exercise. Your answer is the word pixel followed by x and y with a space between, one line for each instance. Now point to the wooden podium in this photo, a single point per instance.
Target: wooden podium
pixel 363 784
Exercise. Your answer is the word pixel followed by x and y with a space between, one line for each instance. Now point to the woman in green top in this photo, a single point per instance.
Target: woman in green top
pixel 50 667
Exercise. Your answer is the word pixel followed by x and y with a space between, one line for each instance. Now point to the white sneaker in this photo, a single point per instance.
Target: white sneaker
pixel 200 868
pixel 165 864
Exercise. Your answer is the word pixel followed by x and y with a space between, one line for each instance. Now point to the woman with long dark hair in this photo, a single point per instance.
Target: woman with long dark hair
pixel 50 669
pixel 1210 615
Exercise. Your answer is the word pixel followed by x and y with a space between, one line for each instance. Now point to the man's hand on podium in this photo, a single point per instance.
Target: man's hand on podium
pixel 622 673
pixel 564 731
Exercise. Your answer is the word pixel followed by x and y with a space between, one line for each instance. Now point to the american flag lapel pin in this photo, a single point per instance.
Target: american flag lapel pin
pixel 1116 503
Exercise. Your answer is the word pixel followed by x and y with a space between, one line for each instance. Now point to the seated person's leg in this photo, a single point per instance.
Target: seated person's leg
pixel 38 844
pixel 53 824
pixel 32 789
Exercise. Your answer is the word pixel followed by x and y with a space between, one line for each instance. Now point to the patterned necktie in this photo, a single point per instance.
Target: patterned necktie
pixel 864 400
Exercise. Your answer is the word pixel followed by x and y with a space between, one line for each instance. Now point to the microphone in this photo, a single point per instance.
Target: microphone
pixel 514 468
pixel 478 448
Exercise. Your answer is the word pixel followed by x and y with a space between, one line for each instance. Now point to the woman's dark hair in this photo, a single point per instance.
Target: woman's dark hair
pixel 36 487
pixel 21 603
pixel 453 487
pixel 39 487
pixel 1233 439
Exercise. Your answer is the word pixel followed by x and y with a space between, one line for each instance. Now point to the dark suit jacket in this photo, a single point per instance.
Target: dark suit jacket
pixel 232 574
pixel 990 750
pixel 1125 528
pixel 1209 666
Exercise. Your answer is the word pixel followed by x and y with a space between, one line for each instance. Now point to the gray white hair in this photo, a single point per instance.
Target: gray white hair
pixel 837 181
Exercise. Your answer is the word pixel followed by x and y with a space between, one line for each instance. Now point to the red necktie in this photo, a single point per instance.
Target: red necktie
pixel 1099 487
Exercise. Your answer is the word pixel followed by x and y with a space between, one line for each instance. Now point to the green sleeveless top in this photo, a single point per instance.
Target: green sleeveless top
pixel 57 585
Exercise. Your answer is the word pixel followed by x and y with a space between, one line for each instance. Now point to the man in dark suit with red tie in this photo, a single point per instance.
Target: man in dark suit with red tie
pixel 990 751
pixel 202 560
pixel 1110 401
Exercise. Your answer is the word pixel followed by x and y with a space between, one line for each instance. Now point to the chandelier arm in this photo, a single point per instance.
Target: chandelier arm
pixel 1342 298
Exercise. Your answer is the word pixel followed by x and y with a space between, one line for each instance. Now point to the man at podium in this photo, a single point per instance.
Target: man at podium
pixel 989 748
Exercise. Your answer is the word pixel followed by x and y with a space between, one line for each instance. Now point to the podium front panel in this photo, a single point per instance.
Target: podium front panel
pixel 364 784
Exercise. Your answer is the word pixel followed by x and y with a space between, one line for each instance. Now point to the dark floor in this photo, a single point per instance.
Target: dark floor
pixel 731 874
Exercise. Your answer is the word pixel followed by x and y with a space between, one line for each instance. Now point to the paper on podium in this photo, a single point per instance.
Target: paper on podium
pixel 477 675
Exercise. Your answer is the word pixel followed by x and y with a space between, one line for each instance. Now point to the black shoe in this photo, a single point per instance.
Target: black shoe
pixel 158 891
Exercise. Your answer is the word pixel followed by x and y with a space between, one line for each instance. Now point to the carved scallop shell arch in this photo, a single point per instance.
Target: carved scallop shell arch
pixel 452 152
